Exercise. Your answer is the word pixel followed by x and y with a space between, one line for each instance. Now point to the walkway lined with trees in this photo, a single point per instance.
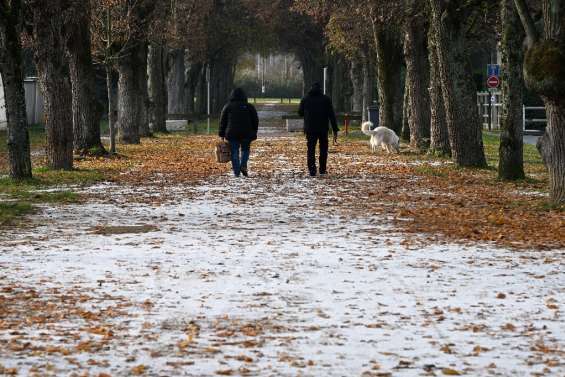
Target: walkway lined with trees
pixel 127 250
pixel 379 268
pixel 423 80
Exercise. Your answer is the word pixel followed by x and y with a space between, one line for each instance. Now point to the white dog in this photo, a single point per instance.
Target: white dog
pixel 381 137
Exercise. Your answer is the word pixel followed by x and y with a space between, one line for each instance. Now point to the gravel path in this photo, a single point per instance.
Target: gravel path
pixel 255 278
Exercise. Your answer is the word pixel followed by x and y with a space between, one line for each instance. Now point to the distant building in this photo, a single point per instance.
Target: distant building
pixel 34 103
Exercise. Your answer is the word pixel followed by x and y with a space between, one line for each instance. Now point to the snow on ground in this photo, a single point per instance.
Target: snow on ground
pixel 255 277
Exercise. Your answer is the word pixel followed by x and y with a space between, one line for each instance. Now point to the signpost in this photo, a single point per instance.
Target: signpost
pixel 493 70
pixel 493 82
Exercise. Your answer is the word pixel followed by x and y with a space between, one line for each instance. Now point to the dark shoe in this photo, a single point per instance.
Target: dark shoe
pixel 323 173
pixel 312 174
pixel 245 172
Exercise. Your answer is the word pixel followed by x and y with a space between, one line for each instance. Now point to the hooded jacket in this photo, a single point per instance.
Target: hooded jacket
pixel 318 112
pixel 239 120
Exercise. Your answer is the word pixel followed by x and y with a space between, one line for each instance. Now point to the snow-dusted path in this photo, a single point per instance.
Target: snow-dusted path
pixel 254 277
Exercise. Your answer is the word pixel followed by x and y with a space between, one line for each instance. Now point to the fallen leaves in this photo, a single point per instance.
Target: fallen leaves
pixel 117 230
pixel 450 372
pixel 139 370
pixel 509 327
pixel 429 195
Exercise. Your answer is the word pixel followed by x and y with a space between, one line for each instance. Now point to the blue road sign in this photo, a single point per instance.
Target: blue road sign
pixel 493 70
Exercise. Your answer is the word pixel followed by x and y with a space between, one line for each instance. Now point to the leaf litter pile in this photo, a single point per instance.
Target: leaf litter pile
pixel 176 268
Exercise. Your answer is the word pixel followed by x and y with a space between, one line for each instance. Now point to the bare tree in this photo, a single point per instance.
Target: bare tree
pixel 465 133
pixel 86 113
pixel 544 73
pixel 158 86
pixel 11 13
pixel 417 73
pixel 511 165
pixel 439 138
pixel 48 32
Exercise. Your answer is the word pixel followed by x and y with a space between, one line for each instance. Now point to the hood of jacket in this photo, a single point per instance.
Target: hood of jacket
pixel 238 95
pixel 315 90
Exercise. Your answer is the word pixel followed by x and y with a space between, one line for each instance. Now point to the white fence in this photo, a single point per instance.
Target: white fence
pixel 533 121
pixel 489 105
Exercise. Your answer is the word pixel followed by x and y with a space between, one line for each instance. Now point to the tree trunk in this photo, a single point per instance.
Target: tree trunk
pixel 417 83
pixel 552 149
pixel 58 114
pixel 49 53
pixel 313 69
pixel 193 75
pixel 144 103
pixel 544 73
pixel 112 102
pixel 406 114
pixel 128 100
pixel 511 165
pixel 459 94
pixel 356 77
pixel 201 89
pixel 222 77
pixel 368 84
pixel 439 136
pixel 86 115
pixel 12 80
pixel 175 82
pixel 339 84
pixel 158 87
pixel 389 59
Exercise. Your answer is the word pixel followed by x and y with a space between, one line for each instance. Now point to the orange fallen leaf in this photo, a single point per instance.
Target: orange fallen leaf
pixel 450 372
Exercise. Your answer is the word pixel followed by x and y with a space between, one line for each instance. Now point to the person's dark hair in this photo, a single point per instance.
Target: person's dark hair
pixel 238 94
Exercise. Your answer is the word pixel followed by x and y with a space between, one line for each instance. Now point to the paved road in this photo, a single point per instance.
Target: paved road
pixel 529 139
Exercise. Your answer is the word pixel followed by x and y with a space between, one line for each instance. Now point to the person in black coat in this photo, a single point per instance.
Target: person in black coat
pixel 318 112
pixel 239 124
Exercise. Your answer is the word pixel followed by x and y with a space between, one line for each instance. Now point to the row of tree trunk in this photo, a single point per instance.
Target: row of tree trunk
pixel 187 84
pixel 63 57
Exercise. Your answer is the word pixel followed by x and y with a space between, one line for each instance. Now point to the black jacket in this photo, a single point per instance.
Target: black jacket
pixel 239 120
pixel 318 112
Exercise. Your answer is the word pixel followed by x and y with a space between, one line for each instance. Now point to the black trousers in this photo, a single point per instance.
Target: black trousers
pixel 313 139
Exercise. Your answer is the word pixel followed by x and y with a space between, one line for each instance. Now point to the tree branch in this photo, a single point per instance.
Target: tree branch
pixel 527 21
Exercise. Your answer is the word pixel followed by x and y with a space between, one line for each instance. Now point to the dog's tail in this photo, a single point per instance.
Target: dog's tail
pixel 366 128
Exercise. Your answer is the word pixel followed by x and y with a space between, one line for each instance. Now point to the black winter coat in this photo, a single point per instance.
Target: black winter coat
pixel 239 120
pixel 318 112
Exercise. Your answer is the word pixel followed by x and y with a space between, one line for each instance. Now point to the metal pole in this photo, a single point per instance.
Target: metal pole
pixel 489 98
pixel 208 74
pixel 111 124
pixel 524 117
pixel 325 79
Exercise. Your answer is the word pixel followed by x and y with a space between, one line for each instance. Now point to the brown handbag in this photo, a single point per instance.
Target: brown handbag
pixel 223 152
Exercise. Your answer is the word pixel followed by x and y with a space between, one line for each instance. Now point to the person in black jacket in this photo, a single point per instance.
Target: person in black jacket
pixel 318 113
pixel 239 124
